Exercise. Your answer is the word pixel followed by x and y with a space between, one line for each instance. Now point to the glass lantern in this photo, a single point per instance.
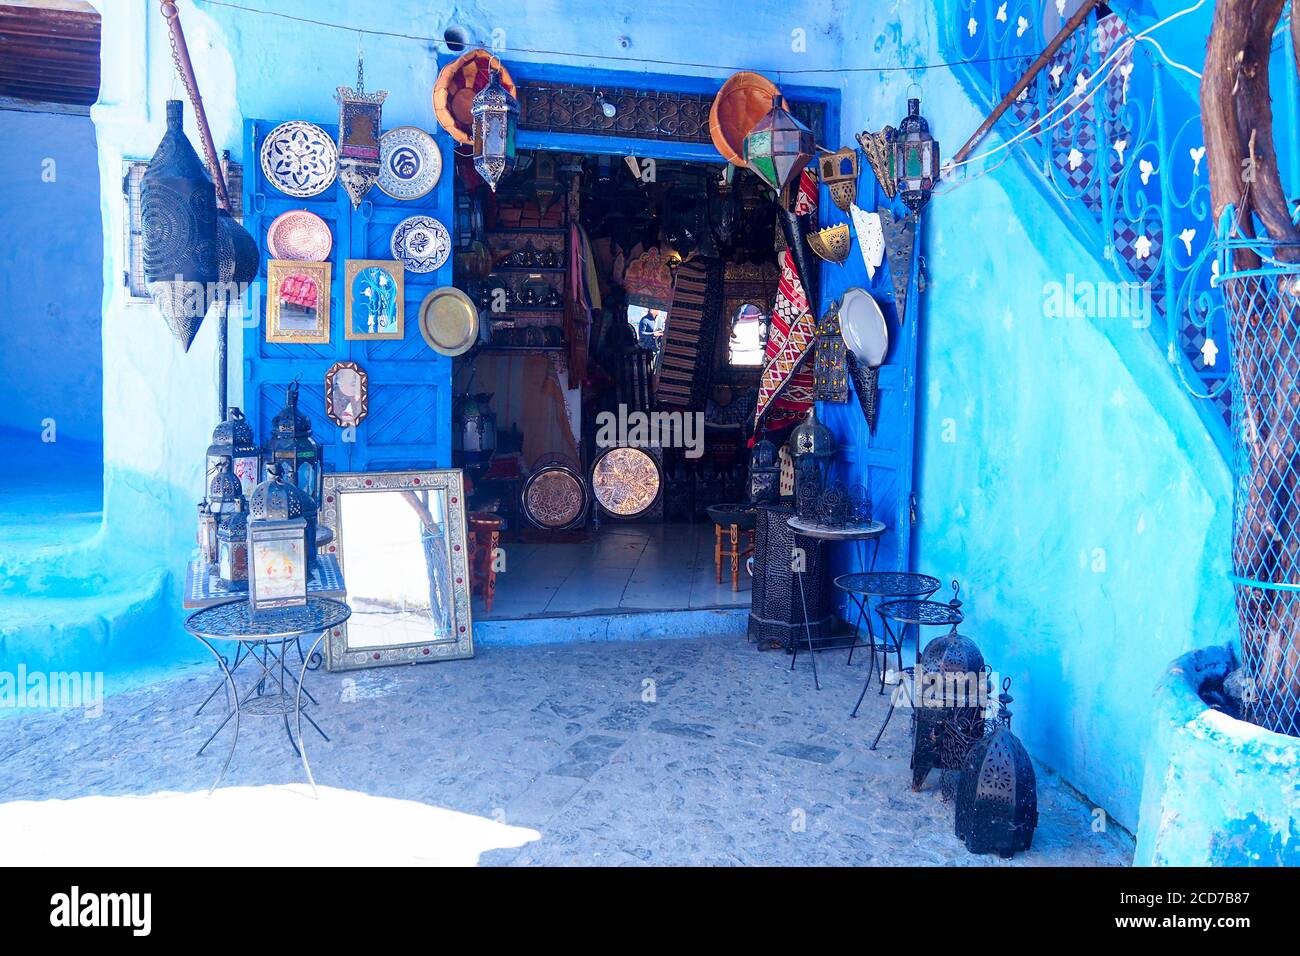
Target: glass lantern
pixel 293 449
pixel 779 147
pixel 233 440
pixel 279 548
pixel 207 535
pixel 813 448
pixel 495 114
pixel 915 157
pixel 225 493
pixel 232 551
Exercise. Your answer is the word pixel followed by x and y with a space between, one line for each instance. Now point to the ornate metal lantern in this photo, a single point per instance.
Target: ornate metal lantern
pixel 948 704
pixel 916 157
pixel 232 551
pixel 997 795
pixel 178 228
pixel 280 544
pixel 225 493
pixel 293 447
pixel 207 535
pixel 779 147
pixel 813 448
pixel 495 114
pixel 764 473
pixel 232 441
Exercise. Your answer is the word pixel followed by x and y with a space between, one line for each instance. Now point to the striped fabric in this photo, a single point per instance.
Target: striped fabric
pixel 689 335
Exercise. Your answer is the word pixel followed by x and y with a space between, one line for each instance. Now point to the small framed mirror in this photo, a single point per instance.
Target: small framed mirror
pixel 748 336
pixel 400 541
pixel 347 394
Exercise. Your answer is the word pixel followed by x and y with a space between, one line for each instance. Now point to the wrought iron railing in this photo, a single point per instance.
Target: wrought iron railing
pixel 1119 144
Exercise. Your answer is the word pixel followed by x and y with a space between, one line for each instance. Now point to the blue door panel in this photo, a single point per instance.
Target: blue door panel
pixel 409 424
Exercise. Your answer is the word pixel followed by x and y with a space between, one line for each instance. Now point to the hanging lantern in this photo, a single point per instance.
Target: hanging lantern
pixel 764 473
pixel 293 448
pixel 779 147
pixel 948 704
pixel 178 228
pixel 997 795
pixel 916 158
pixel 232 551
pixel 237 255
pixel 279 546
pixel 232 441
pixel 495 114
pixel 360 123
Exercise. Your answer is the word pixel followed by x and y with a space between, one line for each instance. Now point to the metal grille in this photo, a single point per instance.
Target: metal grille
pixel 1263 307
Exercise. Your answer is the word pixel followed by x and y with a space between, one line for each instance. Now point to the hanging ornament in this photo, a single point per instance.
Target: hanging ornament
pixel 916 157
pixel 779 147
pixel 178 225
pixel 830 371
pixel 839 171
pixel 496 113
pixel 875 146
pixel 898 234
pixel 360 122
pixel 871 238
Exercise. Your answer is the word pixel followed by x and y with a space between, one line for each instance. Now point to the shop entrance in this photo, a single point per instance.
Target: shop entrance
pixel 607 408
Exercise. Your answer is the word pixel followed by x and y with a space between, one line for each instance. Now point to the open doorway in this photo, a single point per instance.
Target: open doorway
pixel 609 403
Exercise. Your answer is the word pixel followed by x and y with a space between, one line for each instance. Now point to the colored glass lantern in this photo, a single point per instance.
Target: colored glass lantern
pixel 279 548
pixel 232 551
pixel 293 448
pixel 233 440
pixel 496 114
pixel 779 147
pixel 178 230
pixel 915 158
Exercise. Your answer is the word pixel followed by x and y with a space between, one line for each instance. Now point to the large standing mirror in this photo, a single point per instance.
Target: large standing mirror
pixel 400 541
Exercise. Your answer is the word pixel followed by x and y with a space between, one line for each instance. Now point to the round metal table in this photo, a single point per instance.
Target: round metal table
pixel 268 633
pixel 821 533
pixel 861 587
pixel 918 614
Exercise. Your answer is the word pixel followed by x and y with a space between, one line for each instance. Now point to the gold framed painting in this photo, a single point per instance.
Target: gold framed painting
pixel 298 302
pixel 375 299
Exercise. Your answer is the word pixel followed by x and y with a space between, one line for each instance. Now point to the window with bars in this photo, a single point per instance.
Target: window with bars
pixel 132 173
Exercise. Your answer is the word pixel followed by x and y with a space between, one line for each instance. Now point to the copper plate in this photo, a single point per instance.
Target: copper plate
pixel 299 235
pixel 448 321
pixel 626 481
pixel 743 100
pixel 554 497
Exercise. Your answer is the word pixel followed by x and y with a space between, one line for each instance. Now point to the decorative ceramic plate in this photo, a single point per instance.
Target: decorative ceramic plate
pixel 862 325
pixel 448 321
pixel 626 481
pixel 299 235
pixel 422 243
pixel 409 163
pixel 300 159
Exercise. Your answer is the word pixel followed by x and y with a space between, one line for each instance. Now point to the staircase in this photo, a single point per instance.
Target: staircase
pixel 1112 135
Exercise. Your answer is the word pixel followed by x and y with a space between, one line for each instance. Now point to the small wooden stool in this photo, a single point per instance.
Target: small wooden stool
pixel 484 534
pixel 731 536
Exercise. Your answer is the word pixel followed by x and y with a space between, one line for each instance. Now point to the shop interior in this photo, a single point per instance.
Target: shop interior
pixel 623 302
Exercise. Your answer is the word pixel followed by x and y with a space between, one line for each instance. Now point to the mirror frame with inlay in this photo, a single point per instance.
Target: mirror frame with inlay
pixel 339 654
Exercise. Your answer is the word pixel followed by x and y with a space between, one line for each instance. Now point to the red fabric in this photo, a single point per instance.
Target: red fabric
pixel 300 290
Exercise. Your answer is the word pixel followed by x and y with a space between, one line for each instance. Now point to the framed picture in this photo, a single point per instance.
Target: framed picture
pixel 347 394
pixel 400 541
pixel 375 308
pixel 298 302
pixel 277 565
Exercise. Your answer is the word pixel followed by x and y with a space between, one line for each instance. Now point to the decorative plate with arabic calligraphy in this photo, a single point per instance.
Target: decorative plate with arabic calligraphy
pixel 422 243
pixel 299 159
pixel 409 163
pixel 626 481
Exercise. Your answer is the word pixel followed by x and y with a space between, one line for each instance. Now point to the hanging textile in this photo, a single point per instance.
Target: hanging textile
pixel 785 389
pixel 689 335
pixel 577 306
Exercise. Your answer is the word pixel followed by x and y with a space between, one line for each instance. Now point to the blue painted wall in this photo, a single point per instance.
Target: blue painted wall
pixel 51 278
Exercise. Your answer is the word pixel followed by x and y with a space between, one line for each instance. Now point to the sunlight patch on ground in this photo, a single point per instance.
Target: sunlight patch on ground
pixel 278 825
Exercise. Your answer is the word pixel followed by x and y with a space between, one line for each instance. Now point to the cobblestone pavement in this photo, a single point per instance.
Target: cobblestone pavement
pixel 650 752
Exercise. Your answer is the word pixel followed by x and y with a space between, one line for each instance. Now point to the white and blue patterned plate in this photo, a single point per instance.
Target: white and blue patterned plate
pixel 421 243
pixel 299 159
pixel 409 163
